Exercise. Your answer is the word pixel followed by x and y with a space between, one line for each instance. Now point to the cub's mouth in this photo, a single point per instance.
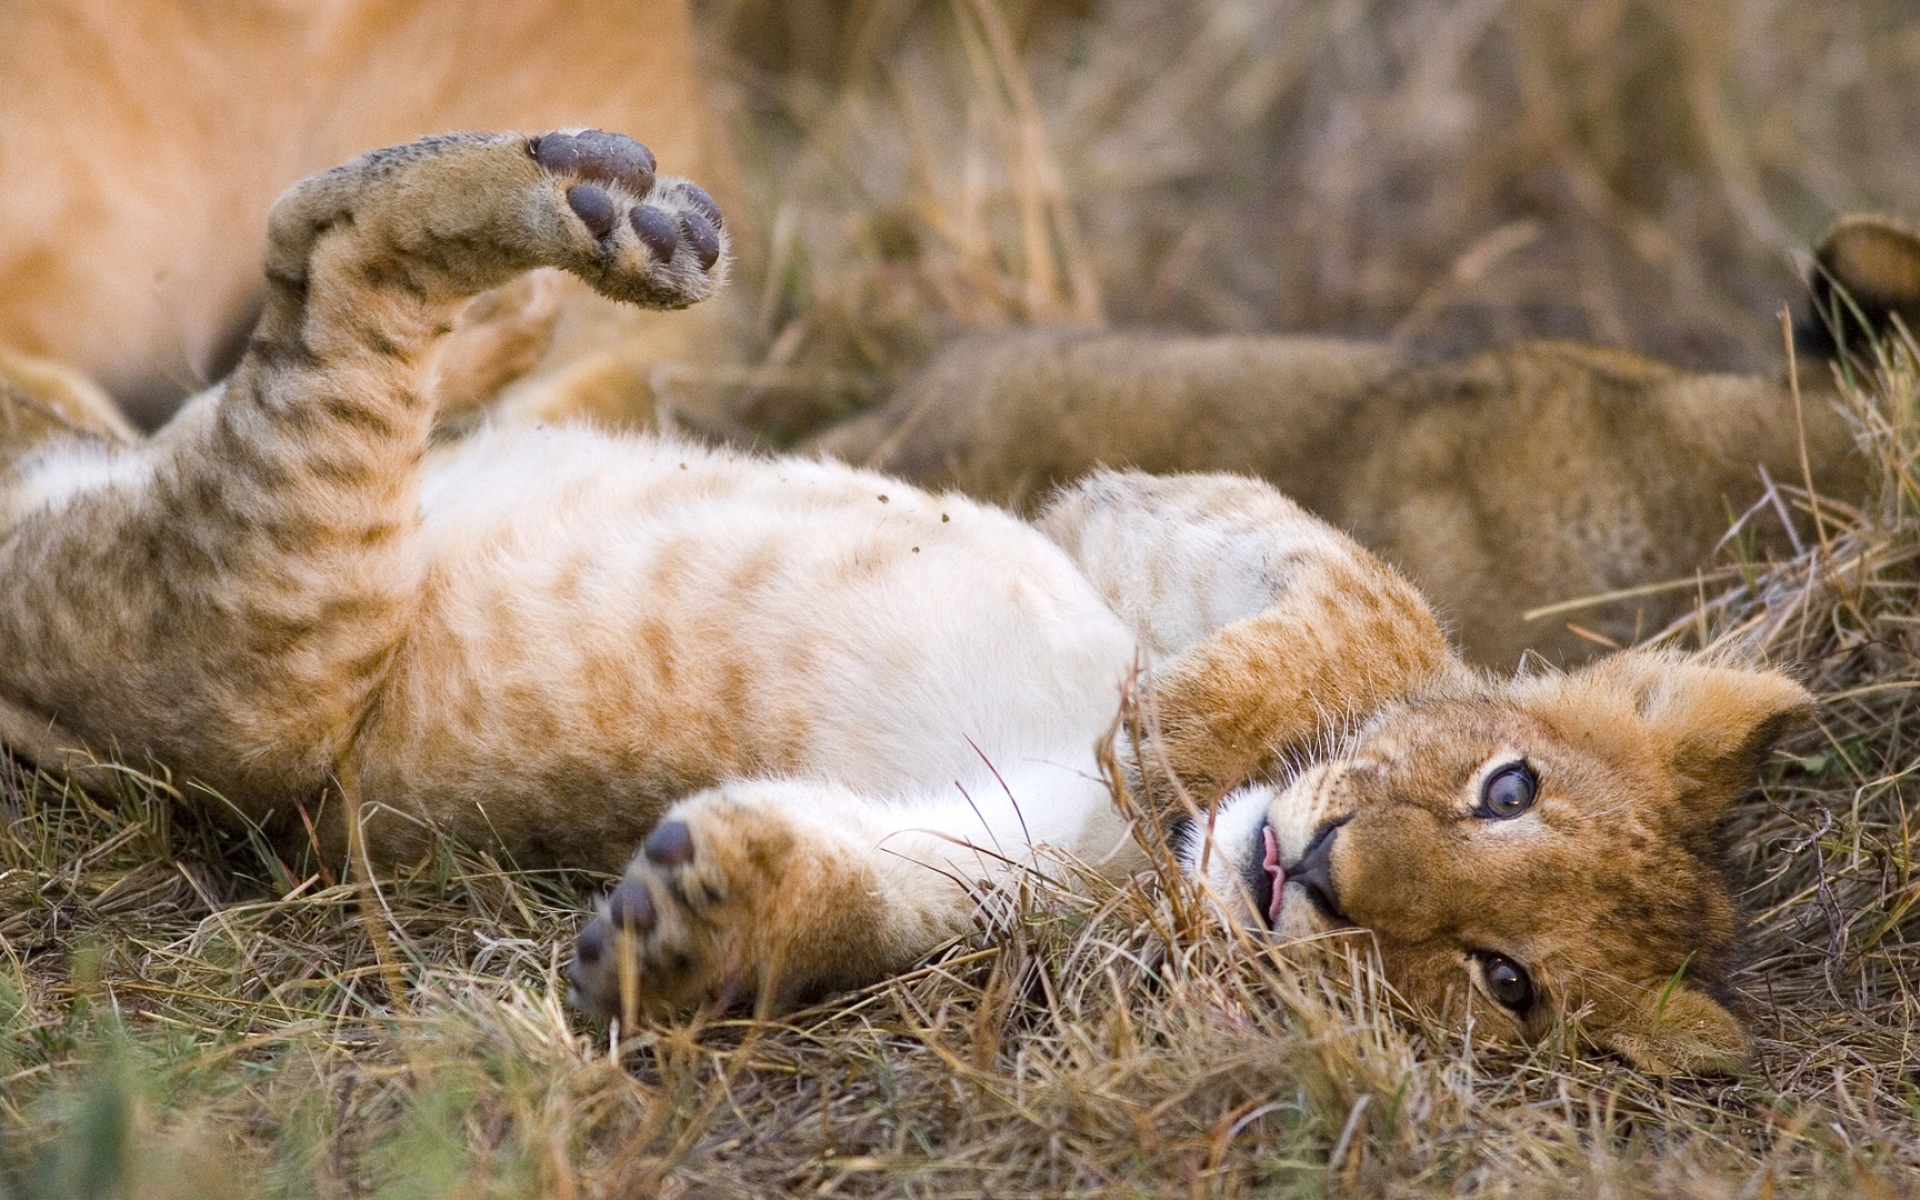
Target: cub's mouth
pixel 1265 878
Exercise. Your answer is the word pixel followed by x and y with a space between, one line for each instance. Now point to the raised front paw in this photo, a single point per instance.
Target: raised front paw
pixel 701 914
pixel 445 217
pixel 655 241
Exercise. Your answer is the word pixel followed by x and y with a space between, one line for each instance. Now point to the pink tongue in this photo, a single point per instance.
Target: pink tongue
pixel 1272 863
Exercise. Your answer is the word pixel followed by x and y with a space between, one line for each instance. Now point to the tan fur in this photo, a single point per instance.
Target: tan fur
pixel 251 679
pixel 844 713
pixel 1343 631
pixel 1503 482
pixel 1614 901
pixel 46 400
pixel 154 137
pixel 143 144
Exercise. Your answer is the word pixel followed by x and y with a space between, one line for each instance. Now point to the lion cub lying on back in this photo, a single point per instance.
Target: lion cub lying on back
pixel 826 704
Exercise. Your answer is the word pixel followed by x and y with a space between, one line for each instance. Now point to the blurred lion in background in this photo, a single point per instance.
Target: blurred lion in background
pixel 1510 480
pixel 145 142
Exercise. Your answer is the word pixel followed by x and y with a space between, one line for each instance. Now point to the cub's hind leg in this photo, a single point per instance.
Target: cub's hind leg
pixel 222 599
pixel 46 407
pixel 48 412
pixel 38 396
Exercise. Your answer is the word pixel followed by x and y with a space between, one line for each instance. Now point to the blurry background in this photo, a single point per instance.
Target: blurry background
pixel 1449 174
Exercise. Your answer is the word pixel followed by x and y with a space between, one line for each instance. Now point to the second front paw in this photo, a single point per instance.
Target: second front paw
pixel 733 896
pixel 769 890
pixel 668 937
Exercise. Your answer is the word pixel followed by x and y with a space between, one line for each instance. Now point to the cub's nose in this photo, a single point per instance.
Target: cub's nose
pixel 1314 872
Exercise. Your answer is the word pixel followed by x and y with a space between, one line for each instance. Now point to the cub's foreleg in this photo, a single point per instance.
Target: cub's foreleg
pixel 782 890
pixel 223 599
pixel 1269 627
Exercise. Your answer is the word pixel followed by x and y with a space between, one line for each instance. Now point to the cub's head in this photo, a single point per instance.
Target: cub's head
pixel 1531 848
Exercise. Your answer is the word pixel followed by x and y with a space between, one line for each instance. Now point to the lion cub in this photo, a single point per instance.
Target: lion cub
pixel 827 706
pixel 1502 482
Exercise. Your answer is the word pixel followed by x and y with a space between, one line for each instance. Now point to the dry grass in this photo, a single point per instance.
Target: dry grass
pixel 1634 172
pixel 183 1014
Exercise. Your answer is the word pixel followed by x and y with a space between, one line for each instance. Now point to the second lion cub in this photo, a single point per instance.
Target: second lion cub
pixel 1509 480
pixel 825 704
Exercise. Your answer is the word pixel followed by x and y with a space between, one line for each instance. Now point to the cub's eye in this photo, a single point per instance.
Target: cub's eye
pixel 1508 983
pixel 1508 792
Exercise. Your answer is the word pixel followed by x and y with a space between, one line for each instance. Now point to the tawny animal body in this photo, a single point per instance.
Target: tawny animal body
pixel 831 706
pixel 154 136
pixel 1502 482
pixel 144 144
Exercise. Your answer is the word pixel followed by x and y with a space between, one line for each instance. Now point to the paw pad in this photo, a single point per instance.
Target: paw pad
pixel 695 197
pixel 631 907
pixel 593 206
pixel 656 231
pixel 687 918
pixel 592 154
pixel 655 241
pixel 702 238
pixel 670 845
pixel 591 944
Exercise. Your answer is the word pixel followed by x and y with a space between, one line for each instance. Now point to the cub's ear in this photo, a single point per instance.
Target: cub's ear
pixel 1876 263
pixel 1680 1030
pixel 1714 724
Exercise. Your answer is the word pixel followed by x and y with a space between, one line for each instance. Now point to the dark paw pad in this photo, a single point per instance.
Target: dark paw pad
pixel 670 845
pixel 591 944
pixel 592 154
pixel 631 907
pixel 593 206
pixel 695 197
pixel 702 238
pixel 656 231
